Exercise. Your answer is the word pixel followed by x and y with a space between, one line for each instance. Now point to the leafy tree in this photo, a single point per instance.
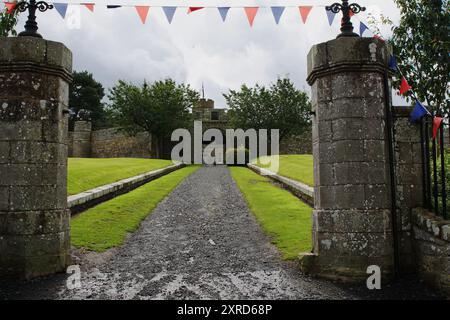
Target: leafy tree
pixel 281 106
pixel 158 108
pixel 85 93
pixel 8 21
pixel 421 44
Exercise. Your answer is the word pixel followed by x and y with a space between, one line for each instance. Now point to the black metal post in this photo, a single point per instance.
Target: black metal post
pixel 346 8
pixel 424 165
pixel 435 182
pixel 444 193
pixel 427 163
pixel 31 25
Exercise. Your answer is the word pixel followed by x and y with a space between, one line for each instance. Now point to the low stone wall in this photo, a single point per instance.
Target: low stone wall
pixel 111 143
pixel 431 243
pixel 301 144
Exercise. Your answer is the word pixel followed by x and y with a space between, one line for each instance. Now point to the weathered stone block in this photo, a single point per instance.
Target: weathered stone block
pixel 37 152
pixel 37 198
pixel 375 151
pixel 341 197
pixel 4 152
pixel 21 131
pixel 377 196
pixel 35 222
pixel 349 150
pixel 4 198
pixel 343 221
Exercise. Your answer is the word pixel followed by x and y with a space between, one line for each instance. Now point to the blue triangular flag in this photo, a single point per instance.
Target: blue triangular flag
pixel 223 12
pixel 277 13
pixel 170 12
pixel 331 16
pixel 362 28
pixel 61 8
pixel 418 112
pixel 393 63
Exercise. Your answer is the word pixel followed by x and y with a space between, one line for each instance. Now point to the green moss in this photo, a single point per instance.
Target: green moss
pixel 85 174
pixel 106 225
pixel 298 167
pixel 284 217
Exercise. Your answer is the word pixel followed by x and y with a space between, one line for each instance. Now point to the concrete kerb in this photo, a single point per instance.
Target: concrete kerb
pixel 299 189
pixel 87 199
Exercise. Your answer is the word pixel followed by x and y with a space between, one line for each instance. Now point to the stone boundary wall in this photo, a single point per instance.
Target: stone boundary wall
pixel 90 198
pixel 301 144
pixel 431 243
pixel 110 143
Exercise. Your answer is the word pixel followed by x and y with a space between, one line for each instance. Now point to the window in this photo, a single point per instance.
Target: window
pixel 214 115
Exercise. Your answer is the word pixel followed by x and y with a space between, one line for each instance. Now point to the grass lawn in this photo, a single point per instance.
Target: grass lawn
pixel 106 225
pixel 285 218
pixel 298 167
pixel 85 174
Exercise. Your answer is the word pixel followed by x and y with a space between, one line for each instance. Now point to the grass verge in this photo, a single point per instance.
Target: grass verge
pixel 106 225
pixel 284 217
pixel 298 167
pixel 85 174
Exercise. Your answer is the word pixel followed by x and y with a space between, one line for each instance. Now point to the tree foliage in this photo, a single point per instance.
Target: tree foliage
pixel 280 106
pixel 85 93
pixel 8 22
pixel 421 44
pixel 158 108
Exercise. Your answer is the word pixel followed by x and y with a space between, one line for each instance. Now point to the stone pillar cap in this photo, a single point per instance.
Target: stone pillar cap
pixel 35 54
pixel 347 54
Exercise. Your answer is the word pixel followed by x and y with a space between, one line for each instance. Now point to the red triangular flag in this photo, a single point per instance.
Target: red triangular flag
pixel 11 6
pixel 192 9
pixel 304 12
pixel 378 37
pixel 351 13
pixel 404 87
pixel 90 6
pixel 437 122
pixel 251 14
pixel 142 12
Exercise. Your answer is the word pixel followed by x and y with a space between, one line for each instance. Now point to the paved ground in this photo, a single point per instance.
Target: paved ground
pixel 201 242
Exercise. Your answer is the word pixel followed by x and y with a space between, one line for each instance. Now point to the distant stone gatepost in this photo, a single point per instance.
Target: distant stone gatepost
pixel 34 220
pixel 352 218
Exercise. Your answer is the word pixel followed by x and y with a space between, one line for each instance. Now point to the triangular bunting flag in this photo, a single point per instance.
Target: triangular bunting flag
pixel 169 12
pixel 418 112
pixel 393 63
pixel 331 16
pixel 142 12
pixel 90 6
pixel 277 13
pixel 61 8
pixel 304 12
pixel 379 38
pixel 404 86
pixel 362 28
pixel 437 122
pixel 193 9
pixel 223 12
pixel 11 6
pixel 351 13
pixel 251 14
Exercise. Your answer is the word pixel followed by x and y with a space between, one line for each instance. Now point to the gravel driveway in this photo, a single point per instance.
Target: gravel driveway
pixel 201 242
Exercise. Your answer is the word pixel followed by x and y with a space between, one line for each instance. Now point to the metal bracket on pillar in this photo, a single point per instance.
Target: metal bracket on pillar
pixel 346 26
pixel 31 25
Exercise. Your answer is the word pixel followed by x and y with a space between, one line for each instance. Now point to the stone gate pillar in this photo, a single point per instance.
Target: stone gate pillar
pixel 34 220
pixel 352 217
pixel 82 139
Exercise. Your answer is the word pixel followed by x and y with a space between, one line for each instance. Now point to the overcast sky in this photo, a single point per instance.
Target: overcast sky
pixel 199 47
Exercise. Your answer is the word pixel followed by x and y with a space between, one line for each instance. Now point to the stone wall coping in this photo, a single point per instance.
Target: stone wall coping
pixel 85 197
pixel 431 223
pixel 296 186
